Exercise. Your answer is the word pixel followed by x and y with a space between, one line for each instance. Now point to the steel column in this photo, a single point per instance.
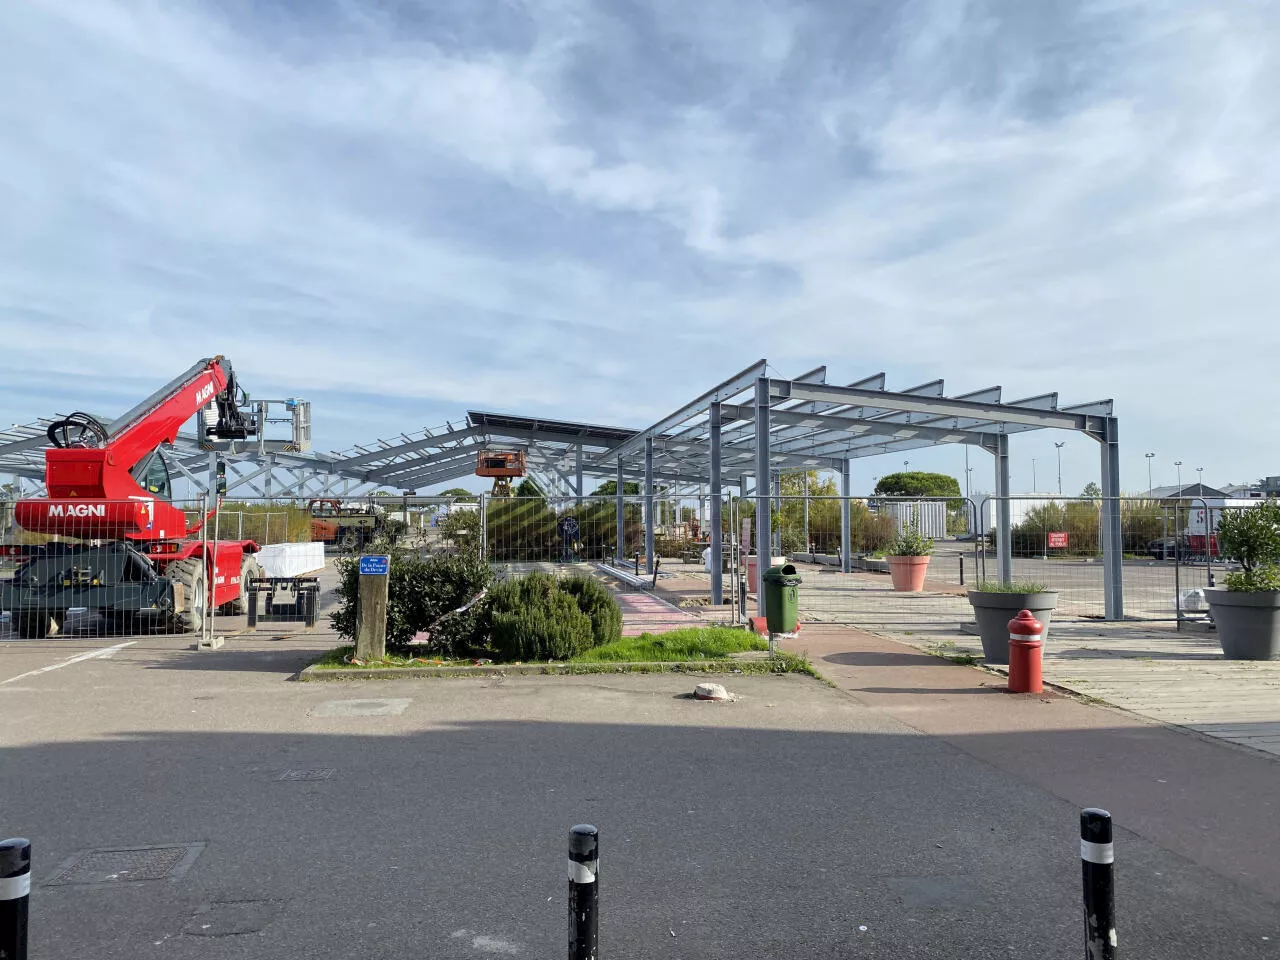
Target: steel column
pixel 1004 545
pixel 717 561
pixel 807 541
pixel 622 543
pixel 577 488
pixel 777 509
pixel 846 558
pixel 763 515
pixel 648 505
pixel 1112 545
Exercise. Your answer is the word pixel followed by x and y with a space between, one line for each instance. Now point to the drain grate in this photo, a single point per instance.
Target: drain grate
pixel 127 864
pixel 318 773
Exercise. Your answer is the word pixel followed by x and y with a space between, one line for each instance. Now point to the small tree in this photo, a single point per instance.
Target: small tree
pixel 1091 491
pixel 459 492
pixel 610 489
pixel 462 529
pixel 1251 537
pixel 918 484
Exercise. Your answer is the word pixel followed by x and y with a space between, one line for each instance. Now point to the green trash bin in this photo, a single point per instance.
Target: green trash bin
pixel 782 598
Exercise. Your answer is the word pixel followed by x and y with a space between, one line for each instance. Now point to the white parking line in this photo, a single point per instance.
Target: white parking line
pixel 90 655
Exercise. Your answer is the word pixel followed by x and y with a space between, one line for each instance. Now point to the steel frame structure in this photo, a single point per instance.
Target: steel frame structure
pixel 751 426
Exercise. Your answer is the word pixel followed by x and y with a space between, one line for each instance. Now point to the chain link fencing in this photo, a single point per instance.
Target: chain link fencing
pixel 81 581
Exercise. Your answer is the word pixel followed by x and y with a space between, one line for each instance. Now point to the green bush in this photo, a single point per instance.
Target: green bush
pixel 420 592
pixel 1013 586
pixel 868 532
pixel 598 603
pixel 1251 537
pixel 793 542
pixel 910 543
pixel 533 619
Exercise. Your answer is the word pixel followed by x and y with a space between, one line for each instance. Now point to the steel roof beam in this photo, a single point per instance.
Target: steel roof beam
pixel 816 375
pixel 395 473
pixel 820 442
pixel 937 406
pixel 724 391
pixel 406 448
pixel 849 427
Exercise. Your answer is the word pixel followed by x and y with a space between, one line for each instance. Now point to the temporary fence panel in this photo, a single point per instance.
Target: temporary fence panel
pixel 926 517
pixel 1168 559
pixel 96 568
pixel 812 533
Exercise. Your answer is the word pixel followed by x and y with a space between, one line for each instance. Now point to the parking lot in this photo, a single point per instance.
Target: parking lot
pixel 428 818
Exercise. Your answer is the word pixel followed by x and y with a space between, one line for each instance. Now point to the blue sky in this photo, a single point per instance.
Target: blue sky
pixel 595 210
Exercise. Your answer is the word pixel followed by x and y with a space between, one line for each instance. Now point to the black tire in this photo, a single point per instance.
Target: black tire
pixel 34 626
pixel 195 598
pixel 250 569
pixel 350 540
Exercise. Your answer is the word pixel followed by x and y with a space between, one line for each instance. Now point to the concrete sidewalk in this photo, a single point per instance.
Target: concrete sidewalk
pixel 1174 677
pixel 1211 802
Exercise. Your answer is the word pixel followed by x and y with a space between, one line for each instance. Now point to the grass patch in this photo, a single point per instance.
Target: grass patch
pixel 1015 586
pixel 336 659
pixel 711 646
pixel 947 650
pixel 693 643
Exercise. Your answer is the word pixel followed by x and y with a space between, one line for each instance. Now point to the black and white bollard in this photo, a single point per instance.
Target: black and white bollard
pixel 584 891
pixel 15 892
pixel 1097 854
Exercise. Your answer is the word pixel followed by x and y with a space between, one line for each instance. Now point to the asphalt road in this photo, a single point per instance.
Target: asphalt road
pixel 794 822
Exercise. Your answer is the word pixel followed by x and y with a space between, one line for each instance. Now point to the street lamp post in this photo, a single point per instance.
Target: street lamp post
pixel 1178 464
pixel 1060 446
pixel 1200 480
pixel 1150 457
pixel 1033 475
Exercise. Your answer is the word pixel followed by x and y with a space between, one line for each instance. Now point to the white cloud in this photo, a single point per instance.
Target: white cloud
pixel 595 210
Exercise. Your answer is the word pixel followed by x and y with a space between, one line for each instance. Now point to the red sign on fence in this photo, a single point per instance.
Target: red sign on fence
pixel 1058 541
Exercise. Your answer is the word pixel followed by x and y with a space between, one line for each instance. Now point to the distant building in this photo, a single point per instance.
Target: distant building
pixel 1185 492
pixel 1244 491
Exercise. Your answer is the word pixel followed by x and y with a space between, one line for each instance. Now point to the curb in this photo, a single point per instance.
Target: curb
pixel 311 674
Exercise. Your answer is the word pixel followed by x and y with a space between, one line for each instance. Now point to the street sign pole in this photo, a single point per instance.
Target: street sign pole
pixel 371 615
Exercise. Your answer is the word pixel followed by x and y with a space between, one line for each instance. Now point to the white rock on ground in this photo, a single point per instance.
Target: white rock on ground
pixel 711 691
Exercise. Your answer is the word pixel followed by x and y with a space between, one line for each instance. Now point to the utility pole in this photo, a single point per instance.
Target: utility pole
pixel 1060 446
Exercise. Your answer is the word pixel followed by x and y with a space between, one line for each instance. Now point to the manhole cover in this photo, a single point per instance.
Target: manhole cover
pixel 361 708
pixel 232 917
pixel 319 773
pixel 133 863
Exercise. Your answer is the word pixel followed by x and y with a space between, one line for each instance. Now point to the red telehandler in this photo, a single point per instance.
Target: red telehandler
pixel 137 564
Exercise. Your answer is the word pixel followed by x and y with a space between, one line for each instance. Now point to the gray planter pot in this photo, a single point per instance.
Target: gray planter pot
pixel 993 611
pixel 1248 623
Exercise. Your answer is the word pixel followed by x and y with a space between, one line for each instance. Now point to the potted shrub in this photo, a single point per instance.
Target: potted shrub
pixel 1247 612
pixel 995 604
pixel 908 558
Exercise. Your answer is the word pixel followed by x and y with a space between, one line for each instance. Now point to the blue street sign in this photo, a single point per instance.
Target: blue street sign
pixel 375 566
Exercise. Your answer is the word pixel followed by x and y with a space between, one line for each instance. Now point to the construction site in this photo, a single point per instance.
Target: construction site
pixel 178 590
pixel 203 509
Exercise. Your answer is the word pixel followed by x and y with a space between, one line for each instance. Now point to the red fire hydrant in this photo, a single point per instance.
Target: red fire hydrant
pixel 1025 633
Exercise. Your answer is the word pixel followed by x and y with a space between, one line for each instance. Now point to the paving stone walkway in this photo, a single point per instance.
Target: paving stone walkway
pixel 1153 671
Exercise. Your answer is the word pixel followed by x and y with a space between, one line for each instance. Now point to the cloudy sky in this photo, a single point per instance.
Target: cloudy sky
pixel 595 209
